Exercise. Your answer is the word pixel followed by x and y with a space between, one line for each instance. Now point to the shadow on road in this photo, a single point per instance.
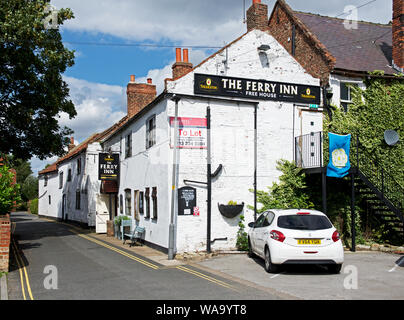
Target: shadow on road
pixel 301 269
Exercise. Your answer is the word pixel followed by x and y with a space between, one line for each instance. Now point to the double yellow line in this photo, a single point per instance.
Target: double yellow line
pixel 130 256
pixel 206 277
pixel 23 272
pixel 153 266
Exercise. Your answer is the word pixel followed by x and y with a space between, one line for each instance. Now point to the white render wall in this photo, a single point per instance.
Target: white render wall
pixel 147 168
pixel 87 182
pixel 51 189
pixel 232 136
pixel 335 83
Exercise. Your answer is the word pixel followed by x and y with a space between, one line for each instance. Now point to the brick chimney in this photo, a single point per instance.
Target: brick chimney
pixel 139 95
pixel 181 66
pixel 257 16
pixel 71 145
pixel 398 35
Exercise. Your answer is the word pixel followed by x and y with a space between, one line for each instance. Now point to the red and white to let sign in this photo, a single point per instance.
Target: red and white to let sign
pixel 192 133
pixel 196 211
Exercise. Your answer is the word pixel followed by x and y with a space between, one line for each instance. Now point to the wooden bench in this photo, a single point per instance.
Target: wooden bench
pixel 136 234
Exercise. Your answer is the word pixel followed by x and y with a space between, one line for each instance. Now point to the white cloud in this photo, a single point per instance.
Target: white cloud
pixel 98 107
pixel 191 22
pixel 186 21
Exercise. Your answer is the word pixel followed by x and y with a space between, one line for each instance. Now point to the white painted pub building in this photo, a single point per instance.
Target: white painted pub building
pixel 259 98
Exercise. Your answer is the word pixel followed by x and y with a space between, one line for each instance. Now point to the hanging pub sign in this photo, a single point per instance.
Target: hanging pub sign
pixel 256 89
pixel 186 201
pixel 108 166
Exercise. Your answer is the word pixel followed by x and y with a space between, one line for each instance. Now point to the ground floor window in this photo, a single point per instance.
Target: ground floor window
pixel 154 199
pixel 141 204
pixel 136 207
pixel 128 202
pixel 78 199
pixel 147 200
pixel 121 204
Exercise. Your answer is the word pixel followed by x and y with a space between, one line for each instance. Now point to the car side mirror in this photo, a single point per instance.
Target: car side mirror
pixel 251 224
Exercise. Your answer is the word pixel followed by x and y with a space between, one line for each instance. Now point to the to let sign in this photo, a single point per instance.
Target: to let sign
pixel 256 89
pixel 192 133
pixel 108 166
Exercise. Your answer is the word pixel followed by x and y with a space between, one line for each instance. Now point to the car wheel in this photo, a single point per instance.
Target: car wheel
pixel 250 251
pixel 269 266
pixel 335 268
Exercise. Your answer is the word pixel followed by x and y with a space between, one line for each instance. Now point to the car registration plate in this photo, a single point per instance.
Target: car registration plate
pixel 308 241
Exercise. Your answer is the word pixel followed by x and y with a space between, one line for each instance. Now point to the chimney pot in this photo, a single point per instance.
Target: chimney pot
pixel 185 55
pixel 139 95
pixel 257 16
pixel 178 54
pixel 72 140
pixel 132 78
pixel 180 67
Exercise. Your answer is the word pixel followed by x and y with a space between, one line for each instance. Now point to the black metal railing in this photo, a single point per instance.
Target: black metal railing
pixel 376 173
pixel 309 150
pixel 310 153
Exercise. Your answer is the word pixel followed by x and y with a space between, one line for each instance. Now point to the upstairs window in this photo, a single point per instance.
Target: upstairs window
pixel 151 132
pixel 69 175
pixel 128 145
pixel 78 166
pixel 346 94
pixel 61 180
pixel 45 183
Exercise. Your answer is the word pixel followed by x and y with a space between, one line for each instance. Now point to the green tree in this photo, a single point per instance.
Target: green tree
pixel 289 192
pixel 32 91
pixel 9 192
pixel 29 188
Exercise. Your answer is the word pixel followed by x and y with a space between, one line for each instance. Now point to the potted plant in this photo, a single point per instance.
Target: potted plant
pixel 231 209
pixel 117 225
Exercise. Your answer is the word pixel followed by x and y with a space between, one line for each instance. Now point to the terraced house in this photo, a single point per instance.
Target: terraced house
pixel 216 131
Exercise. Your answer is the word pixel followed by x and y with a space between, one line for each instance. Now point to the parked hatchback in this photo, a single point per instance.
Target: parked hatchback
pixel 295 236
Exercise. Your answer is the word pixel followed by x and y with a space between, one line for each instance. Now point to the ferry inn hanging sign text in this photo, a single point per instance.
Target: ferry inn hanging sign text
pixel 256 89
pixel 108 166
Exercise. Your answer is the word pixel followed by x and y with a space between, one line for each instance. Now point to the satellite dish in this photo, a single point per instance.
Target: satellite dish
pixel 391 137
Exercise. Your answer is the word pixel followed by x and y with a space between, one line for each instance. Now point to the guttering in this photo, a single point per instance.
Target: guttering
pixel 364 74
pixel 166 95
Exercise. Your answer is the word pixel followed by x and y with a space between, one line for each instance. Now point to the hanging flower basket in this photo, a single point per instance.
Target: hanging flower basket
pixel 230 210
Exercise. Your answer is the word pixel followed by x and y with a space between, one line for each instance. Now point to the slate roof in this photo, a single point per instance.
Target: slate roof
pixel 367 48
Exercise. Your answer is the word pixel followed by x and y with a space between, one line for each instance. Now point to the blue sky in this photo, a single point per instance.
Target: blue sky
pixel 101 72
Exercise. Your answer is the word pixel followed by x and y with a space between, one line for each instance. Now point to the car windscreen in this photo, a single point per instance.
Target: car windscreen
pixel 304 222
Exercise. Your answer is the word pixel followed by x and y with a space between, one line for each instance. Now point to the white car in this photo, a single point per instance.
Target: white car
pixel 295 236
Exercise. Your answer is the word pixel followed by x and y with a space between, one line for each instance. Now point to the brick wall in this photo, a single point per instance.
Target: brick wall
pixel 257 16
pixel 139 95
pixel 309 52
pixel 5 231
pixel 398 33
